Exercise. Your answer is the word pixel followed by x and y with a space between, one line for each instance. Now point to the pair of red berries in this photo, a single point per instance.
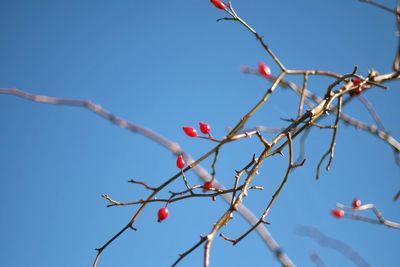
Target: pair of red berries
pixel 205 128
pixel 180 163
pixel 359 89
pixel 163 213
pixel 339 213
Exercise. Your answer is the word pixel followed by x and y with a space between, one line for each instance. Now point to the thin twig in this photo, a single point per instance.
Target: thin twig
pixel 331 150
pixel 239 174
pixel 379 5
pixel 372 111
pixel 213 172
pixel 181 256
pixel 141 183
pixel 335 129
pixel 181 196
pixel 302 98
pixel 235 17
pixel 379 216
pixel 186 182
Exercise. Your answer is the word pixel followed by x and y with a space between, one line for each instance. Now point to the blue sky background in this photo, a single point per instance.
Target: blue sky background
pixel 164 64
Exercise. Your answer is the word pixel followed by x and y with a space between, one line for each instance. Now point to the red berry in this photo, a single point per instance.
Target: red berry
pixel 162 214
pixel 356 81
pixel 219 4
pixel 356 203
pixel 207 186
pixel 356 91
pixel 204 127
pixel 264 70
pixel 338 213
pixel 180 162
pixel 190 131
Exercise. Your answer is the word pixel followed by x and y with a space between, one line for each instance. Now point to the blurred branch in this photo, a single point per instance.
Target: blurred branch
pixel 302 98
pixel 317 259
pixel 339 246
pixel 372 111
pixel 181 256
pixel 396 62
pixel 159 139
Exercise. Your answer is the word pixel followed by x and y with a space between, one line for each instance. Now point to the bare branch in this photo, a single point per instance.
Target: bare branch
pixel 379 5
pixel 142 183
pixel 302 98
pixel 291 166
pixel 372 111
pixel 181 256
pixel 379 216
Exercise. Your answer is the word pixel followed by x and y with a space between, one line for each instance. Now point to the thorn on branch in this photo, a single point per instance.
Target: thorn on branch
pixel 263 140
pixel 265 222
pixel 233 241
pixel 296 165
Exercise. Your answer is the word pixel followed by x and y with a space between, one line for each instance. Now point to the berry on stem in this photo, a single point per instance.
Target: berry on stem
pixel 356 81
pixel 180 162
pixel 190 131
pixel 207 186
pixel 359 89
pixel 356 91
pixel 338 213
pixel 205 128
pixel 219 4
pixel 162 214
pixel 264 70
pixel 356 203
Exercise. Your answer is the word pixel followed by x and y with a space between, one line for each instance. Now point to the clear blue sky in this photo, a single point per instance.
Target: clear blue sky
pixel 164 64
